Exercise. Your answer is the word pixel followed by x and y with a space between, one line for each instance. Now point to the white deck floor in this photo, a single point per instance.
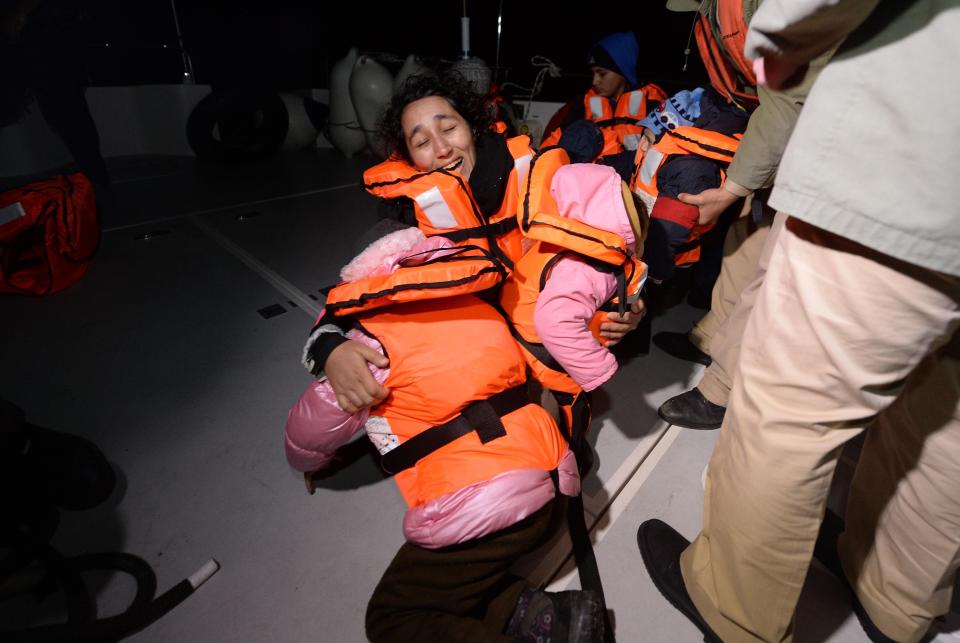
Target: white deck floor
pixel 160 356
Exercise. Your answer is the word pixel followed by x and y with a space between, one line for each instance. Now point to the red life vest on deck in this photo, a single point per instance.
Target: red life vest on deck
pixel 682 140
pixel 49 232
pixel 444 204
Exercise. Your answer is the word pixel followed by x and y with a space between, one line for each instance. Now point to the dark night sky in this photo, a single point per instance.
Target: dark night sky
pixel 287 45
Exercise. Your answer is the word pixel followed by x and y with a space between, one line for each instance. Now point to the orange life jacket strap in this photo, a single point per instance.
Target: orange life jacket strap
pixel 482 416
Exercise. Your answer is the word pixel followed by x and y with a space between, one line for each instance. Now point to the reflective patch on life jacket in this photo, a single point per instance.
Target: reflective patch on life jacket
pixel 436 209
pixel 379 432
pixel 636 100
pixel 596 107
pixel 632 141
pixel 651 161
pixel 522 166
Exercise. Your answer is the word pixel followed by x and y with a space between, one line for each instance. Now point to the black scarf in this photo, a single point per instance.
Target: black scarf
pixel 488 180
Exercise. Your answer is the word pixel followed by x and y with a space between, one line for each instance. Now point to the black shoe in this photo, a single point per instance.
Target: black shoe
pixel 661 546
pixel 560 617
pixel 679 345
pixel 825 551
pixel 692 410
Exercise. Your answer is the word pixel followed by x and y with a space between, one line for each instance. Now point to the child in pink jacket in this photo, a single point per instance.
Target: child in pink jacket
pixel 575 289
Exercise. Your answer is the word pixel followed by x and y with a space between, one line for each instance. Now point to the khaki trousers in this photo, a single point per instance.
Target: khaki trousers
pixel 838 334
pixel 725 344
pixel 741 251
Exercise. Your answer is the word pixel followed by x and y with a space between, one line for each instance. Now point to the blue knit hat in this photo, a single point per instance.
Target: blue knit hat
pixel 683 108
pixel 617 52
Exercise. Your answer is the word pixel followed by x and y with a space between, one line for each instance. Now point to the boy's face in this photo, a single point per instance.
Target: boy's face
pixel 607 82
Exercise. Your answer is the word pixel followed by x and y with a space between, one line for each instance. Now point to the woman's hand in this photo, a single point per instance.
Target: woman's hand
pixel 351 379
pixel 617 326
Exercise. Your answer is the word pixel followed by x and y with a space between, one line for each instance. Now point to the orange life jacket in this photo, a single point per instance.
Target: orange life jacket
pixel 550 236
pixel 445 205
pixel 730 71
pixel 457 413
pixel 618 124
pixel 682 140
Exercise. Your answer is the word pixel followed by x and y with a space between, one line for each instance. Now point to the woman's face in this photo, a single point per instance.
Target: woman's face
pixel 608 83
pixel 437 136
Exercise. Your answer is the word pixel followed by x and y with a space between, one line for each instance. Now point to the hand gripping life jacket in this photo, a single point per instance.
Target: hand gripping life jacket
pixel 730 71
pixel 444 204
pixel 682 140
pixel 618 125
pixel 457 413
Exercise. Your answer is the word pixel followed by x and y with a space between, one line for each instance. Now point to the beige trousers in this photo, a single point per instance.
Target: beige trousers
pixel 725 344
pixel 741 251
pixel 838 334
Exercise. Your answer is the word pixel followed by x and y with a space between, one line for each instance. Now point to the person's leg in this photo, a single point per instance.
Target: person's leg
pixel 725 344
pixel 901 547
pixel 460 593
pixel 741 250
pixel 703 406
pixel 835 331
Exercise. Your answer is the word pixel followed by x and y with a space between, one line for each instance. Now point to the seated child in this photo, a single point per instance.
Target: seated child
pixel 690 140
pixel 484 471
pixel 612 106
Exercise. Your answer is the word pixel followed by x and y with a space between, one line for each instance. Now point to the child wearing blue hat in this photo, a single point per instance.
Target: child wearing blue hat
pixel 610 109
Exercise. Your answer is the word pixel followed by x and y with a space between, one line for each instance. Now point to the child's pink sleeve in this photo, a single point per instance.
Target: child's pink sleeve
pixel 317 426
pixel 572 295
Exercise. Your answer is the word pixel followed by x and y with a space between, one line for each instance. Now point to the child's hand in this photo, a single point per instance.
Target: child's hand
pixel 617 326
pixel 350 377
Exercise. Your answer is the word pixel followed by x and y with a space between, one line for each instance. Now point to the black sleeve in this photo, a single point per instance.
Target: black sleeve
pixel 688 173
pixel 400 209
pixel 325 344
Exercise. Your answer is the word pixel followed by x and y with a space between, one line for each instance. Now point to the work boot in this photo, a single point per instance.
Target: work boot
pixel 558 617
pixel 692 410
pixel 679 345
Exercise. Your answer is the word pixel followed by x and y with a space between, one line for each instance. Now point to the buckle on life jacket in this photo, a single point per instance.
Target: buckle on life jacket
pixel 482 416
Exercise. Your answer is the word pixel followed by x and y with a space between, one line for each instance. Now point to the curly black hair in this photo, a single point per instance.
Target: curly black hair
pixel 452 87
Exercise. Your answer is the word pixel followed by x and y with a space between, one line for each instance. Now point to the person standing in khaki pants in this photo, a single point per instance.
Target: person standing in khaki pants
pixel 715 339
pixel 855 326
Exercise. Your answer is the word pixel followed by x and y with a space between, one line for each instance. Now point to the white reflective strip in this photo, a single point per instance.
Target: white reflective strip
pixel 522 166
pixel 636 99
pixel 11 212
pixel 596 107
pixel 648 200
pixel 651 161
pixel 436 209
pixel 378 430
pixel 632 141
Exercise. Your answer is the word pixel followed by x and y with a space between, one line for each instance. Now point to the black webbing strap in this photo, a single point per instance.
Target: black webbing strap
pixel 482 231
pixel 482 416
pixel 583 553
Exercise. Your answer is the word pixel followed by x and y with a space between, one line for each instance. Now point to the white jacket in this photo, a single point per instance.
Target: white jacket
pixel 875 156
